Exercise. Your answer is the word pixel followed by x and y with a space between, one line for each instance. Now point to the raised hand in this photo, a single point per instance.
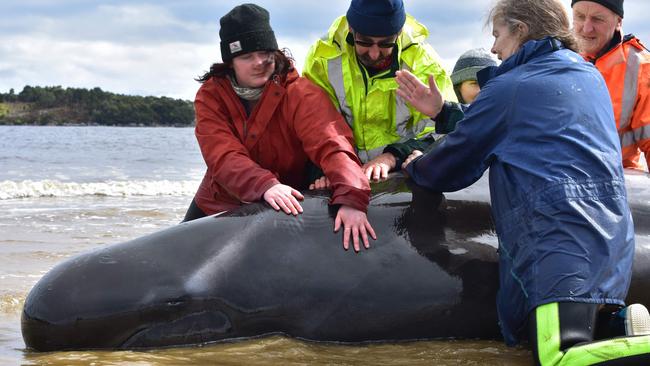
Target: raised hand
pixel 427 100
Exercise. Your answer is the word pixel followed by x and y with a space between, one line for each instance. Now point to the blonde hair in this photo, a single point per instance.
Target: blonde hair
pixel 544 18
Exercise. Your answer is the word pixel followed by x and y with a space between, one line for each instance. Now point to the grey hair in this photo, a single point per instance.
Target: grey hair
pixel 544 18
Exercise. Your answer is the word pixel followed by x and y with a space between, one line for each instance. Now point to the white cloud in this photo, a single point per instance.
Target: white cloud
pixel 167 69
pixel 134 47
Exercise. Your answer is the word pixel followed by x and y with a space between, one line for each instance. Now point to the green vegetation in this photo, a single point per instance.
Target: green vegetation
pixel 57 106
pixel 4 110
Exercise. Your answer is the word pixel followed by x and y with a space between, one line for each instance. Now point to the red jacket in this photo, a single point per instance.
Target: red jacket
pixel 293 122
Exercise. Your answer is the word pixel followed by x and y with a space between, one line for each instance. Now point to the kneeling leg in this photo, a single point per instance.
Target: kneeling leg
pixel 563 334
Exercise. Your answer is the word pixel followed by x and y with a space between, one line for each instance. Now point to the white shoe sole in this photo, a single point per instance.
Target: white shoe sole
pixel 637 320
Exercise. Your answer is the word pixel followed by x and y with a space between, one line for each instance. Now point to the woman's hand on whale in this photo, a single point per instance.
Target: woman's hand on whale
pixel 414 155
pixel 285 198
pixel 355 224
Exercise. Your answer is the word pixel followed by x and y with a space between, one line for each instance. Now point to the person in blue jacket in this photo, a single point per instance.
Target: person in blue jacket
pixel 543 125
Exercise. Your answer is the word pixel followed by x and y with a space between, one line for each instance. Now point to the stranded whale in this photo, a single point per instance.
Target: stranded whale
pixel 432 273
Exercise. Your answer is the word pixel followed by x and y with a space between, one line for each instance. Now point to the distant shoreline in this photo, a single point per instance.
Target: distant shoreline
pixel 55 106
pixel 91 125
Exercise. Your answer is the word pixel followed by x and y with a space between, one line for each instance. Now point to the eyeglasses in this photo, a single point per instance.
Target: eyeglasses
pixel 367 44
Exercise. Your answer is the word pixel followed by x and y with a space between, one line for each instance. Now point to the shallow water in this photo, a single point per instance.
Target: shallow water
pixel 283 351
pixel 67 190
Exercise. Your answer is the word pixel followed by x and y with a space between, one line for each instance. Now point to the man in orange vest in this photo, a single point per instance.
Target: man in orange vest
pixel 625 64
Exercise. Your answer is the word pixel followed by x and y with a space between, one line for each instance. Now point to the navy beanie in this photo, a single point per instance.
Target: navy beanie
pixel 376 18
pixel 246 28
pixel 614 5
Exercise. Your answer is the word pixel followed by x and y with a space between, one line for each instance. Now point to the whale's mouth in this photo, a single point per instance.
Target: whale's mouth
pixel 163 325
pixel 194 328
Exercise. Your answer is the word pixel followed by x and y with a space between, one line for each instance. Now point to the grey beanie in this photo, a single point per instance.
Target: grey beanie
pixel 469 63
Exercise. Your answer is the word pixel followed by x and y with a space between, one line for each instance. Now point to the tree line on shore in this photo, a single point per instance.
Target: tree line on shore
pixel 54 105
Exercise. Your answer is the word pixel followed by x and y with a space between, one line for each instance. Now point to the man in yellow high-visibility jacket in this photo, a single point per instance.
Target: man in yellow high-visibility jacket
pixel 356 64
pixel 625 65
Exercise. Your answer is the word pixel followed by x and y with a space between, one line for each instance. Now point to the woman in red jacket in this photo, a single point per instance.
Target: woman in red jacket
pixel 259 124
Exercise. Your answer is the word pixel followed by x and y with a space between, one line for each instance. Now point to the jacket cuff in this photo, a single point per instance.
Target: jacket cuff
pixel 450 114
pixel 353 197
pixel 266 186
pixel 400 151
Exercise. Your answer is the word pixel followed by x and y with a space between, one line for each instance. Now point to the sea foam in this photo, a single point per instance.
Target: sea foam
pixel 55 188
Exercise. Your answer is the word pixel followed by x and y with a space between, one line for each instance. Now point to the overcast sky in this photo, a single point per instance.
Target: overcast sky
pixel 157 47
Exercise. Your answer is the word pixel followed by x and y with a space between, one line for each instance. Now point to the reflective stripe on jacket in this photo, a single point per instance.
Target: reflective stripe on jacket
pixel 292 123
pixel 626 69
pixel 378 117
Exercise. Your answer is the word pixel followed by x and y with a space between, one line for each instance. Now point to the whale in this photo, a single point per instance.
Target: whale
pixel 251 272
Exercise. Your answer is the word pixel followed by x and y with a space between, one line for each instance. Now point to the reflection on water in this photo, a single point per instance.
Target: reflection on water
pixel 284 351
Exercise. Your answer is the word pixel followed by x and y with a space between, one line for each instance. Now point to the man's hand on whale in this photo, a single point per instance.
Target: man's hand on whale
pixel 378 168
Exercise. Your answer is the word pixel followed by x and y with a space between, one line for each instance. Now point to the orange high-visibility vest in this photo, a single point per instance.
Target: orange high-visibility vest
pixel 626 70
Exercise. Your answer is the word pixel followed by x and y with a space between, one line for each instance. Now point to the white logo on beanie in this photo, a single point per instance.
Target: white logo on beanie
pixel 235 47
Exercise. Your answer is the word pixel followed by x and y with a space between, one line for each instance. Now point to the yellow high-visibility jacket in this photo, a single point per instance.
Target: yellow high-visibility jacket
pixel 370 105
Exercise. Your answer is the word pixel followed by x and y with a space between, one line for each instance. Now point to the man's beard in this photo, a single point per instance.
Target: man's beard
pixel 381 63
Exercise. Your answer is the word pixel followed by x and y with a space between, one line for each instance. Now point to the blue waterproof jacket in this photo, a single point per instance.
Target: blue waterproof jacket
pixel 543 124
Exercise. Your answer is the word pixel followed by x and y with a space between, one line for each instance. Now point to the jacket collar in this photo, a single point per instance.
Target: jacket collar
pixel 256 123
pixel 613 43
pixel 527 52
pixel 616 41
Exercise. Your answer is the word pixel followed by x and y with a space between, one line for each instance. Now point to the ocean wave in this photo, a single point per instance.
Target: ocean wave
pixel 55 188
pixel 11 303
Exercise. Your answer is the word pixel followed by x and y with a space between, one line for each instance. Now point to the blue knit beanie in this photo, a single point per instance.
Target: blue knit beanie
pixel 376 18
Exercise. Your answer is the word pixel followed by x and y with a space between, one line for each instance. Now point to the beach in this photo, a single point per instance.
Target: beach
pixel 68 190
